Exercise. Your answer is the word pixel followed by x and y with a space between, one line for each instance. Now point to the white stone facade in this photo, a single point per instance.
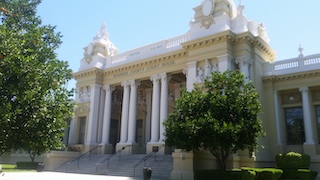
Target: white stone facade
pixel 123 98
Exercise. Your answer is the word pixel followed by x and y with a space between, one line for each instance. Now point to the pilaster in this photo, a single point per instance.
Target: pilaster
pixel 244 63
pixel 191 74
pixel 93 115
pixel 225 62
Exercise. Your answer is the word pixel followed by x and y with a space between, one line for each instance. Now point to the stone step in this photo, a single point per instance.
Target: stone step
pixel 161 166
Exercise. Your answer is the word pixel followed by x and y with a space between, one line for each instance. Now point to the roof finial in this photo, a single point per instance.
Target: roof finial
pixel 240 8
pixel 300 50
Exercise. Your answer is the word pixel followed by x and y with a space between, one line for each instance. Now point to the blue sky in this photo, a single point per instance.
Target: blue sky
pixel 136 23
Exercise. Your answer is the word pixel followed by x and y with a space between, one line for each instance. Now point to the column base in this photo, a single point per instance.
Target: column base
pixel 309 149
pixel 91 146
pixel 128 148
pixel 106 148
pixel 156 146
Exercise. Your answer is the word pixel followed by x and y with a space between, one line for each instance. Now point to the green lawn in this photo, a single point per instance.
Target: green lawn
pixel 13 168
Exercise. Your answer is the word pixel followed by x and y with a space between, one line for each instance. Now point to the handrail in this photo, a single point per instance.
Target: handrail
pixel 80 156
pixel 111 156
pixel 145 158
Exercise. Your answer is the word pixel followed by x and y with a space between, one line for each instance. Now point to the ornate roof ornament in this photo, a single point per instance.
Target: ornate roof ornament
pixel 103 34
pixel 301 52
pixel 240 8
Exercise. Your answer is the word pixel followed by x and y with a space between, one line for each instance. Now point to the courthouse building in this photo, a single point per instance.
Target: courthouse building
pixel 123 97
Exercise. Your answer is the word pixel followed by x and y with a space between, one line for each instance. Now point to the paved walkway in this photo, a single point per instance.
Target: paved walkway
pixel 56 176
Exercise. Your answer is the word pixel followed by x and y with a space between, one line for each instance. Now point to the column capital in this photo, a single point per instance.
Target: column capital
pixel 155 78
pixel 243 60
pixel 304 89
pixel 135 83
pixel 125 84
pixel 165 76
pixel 109 88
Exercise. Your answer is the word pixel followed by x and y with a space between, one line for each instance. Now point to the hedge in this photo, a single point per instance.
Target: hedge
pixel 293 160
pixel 265 173
pixel 225 175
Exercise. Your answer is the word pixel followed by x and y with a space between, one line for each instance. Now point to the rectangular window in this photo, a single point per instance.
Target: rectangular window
pixel 318 121
pixel 294 125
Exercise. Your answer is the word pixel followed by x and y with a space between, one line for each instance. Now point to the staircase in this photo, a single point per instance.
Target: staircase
pixel 161 166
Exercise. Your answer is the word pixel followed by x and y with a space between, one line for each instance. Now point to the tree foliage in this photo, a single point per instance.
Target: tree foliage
pixel 34 99
pixel 221 116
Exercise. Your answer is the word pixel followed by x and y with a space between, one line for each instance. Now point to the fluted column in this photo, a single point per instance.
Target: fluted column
pixel 133 111
pixel 125 112
pixel 165 78
pixel 93 115
pixel 107 114
pixel 155 117
pixel 307 115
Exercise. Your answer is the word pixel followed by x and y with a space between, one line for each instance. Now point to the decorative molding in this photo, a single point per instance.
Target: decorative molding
pixel 82 109
pixel 84 94
pixel 91 72
pixel 202 73
pixel 151 62
pixel 291 97
pixel 207 21
pixel 286 77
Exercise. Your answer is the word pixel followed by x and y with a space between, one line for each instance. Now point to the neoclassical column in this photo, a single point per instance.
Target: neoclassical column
pixel 278 117
pixel 225 62
pixel 93 115
pixel 148 115
pixel 244 63
pixel 107 114
pixel 133 111
pixel 125 112
pixel 164 103
pixel 307 116
pixel 155 116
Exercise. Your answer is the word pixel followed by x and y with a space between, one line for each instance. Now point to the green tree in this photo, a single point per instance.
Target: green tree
pixel 220 116
pixel 34 99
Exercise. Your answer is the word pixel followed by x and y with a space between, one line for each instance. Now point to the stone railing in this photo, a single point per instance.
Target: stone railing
pixel 150 50
pixel 289 66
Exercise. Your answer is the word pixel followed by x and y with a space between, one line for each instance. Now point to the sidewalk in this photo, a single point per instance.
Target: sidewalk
pixel 56 176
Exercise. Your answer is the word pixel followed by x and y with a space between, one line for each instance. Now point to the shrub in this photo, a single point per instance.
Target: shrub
pixel 265 173
pixel 293 160
pixel 301 174
pixel 27 165
pixel 225 175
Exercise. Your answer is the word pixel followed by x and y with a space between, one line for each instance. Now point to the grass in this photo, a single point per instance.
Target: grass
pixel 13 168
